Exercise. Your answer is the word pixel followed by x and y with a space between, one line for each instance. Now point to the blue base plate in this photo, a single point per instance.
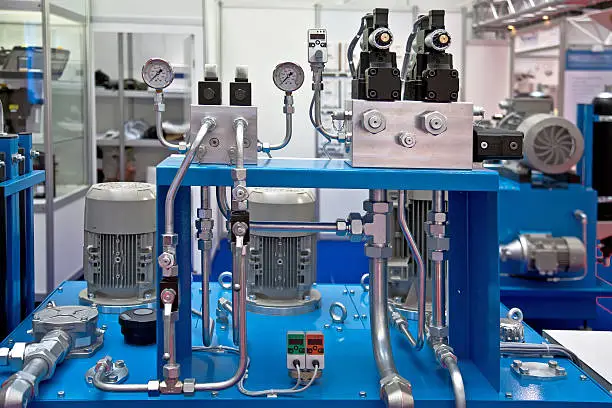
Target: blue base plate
pixel 349 365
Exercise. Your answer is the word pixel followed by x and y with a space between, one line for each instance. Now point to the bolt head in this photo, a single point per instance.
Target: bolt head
pixel 364 316
pixel 326 326
pixel 215 394
pixel 583 377
pixel 352 292
pixel 356 316
pixel 339 329
pixel 345 292
pixel 363 394
pixel 61 394
pixel 509 395
pixel 553 363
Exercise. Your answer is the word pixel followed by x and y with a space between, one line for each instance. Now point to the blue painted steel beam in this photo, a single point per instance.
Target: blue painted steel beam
pixel 20 183
pixel 323 173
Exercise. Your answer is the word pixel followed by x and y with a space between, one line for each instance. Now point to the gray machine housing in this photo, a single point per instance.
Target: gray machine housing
pixel 439 137
pixel 119 244
pixel 282 265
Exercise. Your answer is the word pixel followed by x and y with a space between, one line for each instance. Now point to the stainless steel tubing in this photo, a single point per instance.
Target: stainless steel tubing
pixel 205 265
pixel 421 277
pixel 379 323
pixel 1 118
pixel 99 384
pixel 19 389
pixel 238 288
pixel 243 363
pixel 222 201
pixel 288 133
pixel 305 227
pixel 160 131
pixel 438 201
pixel 439 273
pixel 178 179
pixel 456 381
pixel 240 129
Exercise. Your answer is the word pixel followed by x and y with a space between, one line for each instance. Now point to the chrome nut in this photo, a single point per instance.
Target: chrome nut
pixel 374 121
pixel 169 240
pixel 378 252
pixel 240 193
pixel 436 256
pixel 204 245
pixel 355 226
pixel 436 217
pixel 204 213
pixel 438 332
pixel 212 123
pixel 239 174
pixel 433 122
pixel 189 386
pixel 406 139
pixel 436 229
pixel 166 260
pixel 435 244
pixel 171 371
pixel 377 208
pixel 341 227
pixel 170 272
pixel 205 235
pixel 153 388
pixel 4 353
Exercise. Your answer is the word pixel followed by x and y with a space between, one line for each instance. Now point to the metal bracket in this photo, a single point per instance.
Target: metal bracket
pixel 541 371
pixel 117 374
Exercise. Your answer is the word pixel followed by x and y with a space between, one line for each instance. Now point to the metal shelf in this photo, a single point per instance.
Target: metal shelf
pixel 136 94
pixel 150 143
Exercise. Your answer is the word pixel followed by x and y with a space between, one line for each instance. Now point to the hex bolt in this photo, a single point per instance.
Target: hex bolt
pixel 560 371
pixel 356 317
pixel 552 364
pixel 509 395
pixel 61 394
pixel 339 329
pixel 352 292
pixel 436 123
pixel 326 326
pixel 345 292
pixel 214 394
pixel 583 377
pixel 119 363
pixel 363 394
pixel 517 363
pixel 364 316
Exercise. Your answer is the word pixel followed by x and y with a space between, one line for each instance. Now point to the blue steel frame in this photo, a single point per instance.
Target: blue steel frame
pixel 473 258
pixel 16 195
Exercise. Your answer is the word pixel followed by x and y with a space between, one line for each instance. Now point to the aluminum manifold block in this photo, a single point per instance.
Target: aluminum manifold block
pixel 411 134
pixel 219 145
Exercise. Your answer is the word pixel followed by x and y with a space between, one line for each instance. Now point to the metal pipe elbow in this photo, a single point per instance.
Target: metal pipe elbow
pixel 396 392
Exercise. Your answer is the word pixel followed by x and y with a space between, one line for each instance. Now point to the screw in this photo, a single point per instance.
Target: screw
pixel 352 292
pixel 509 395
pixel 583 377
pixel 61 394
pixel 104 327
pixel 513 145
pixel 356 317
pixel 484 145
pixel 213 142
pixel 215 394
pixel 345 292
pixel 339 329
pixel 223 327
pixel 552 364
pixel 560 371
pixel 524 370
pixel 326 326
pixel 237 287
pixel 517 363
pixel 364 316
pixel 119 363
pixel 363 394
pixel 166 356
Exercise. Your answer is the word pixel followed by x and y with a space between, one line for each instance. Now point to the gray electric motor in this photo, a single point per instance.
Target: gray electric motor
pixel 552 145
pixel 119 245
pixel 282 265
pixel 545 256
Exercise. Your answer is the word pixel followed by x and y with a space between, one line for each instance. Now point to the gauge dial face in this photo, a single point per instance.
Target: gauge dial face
pixel 157 73
pixel 288 76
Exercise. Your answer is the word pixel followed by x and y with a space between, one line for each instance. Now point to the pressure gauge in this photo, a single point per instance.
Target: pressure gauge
pixel 157 73
pixel 288 76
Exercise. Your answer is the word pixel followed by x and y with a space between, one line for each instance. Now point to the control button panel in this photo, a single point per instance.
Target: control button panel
pixel 317 45
pixel 296 349
pixel 315 350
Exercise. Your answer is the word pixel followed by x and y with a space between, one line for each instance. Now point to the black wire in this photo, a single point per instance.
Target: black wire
pixel 408 50
pixel 351 47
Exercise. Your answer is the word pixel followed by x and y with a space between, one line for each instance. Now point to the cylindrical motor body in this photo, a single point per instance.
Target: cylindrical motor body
pixel 552 145
pixel 545 256
pixel 602 154
pixel 282 265
pixel 119 249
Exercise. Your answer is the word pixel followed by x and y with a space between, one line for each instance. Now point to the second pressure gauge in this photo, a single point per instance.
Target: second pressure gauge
pixel 157 73
pixel 288 76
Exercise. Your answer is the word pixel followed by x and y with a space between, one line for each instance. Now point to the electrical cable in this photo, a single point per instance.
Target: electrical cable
pixel 408 50
pixel 289 391
pixel 351 48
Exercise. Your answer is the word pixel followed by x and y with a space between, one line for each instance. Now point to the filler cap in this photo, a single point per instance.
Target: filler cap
pixel 138 326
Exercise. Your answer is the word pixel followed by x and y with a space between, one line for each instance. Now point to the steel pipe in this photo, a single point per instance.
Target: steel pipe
pixel 241 249
pixel 104 386
pixel 421 277
pixel 207 124
pixel 224 207
pixel 379 324
pixel 305 227
pixel 160 131
pixel 207 323
pixel 456 380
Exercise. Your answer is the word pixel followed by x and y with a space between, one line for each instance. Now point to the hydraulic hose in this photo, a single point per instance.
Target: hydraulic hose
pixel 18 390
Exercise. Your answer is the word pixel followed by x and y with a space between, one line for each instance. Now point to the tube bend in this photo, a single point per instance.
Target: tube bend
pixel 207 124
pixel 421 278
pixel 159 108
pixel 103 386
pixel 456 381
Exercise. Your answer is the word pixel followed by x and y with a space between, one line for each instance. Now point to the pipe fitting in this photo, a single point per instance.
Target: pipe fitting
pixel 396 392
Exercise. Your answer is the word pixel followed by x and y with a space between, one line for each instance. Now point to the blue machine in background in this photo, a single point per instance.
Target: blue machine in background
pixel 17 180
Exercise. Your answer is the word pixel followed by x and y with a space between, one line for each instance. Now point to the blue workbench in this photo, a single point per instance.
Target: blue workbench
pixel 350 366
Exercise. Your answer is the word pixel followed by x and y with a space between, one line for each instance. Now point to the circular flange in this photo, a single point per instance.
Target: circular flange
pixel 116 375
pixel 290 307
pixel 107 305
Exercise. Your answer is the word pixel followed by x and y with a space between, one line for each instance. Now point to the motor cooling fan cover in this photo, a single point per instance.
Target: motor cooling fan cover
pixel 552 145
